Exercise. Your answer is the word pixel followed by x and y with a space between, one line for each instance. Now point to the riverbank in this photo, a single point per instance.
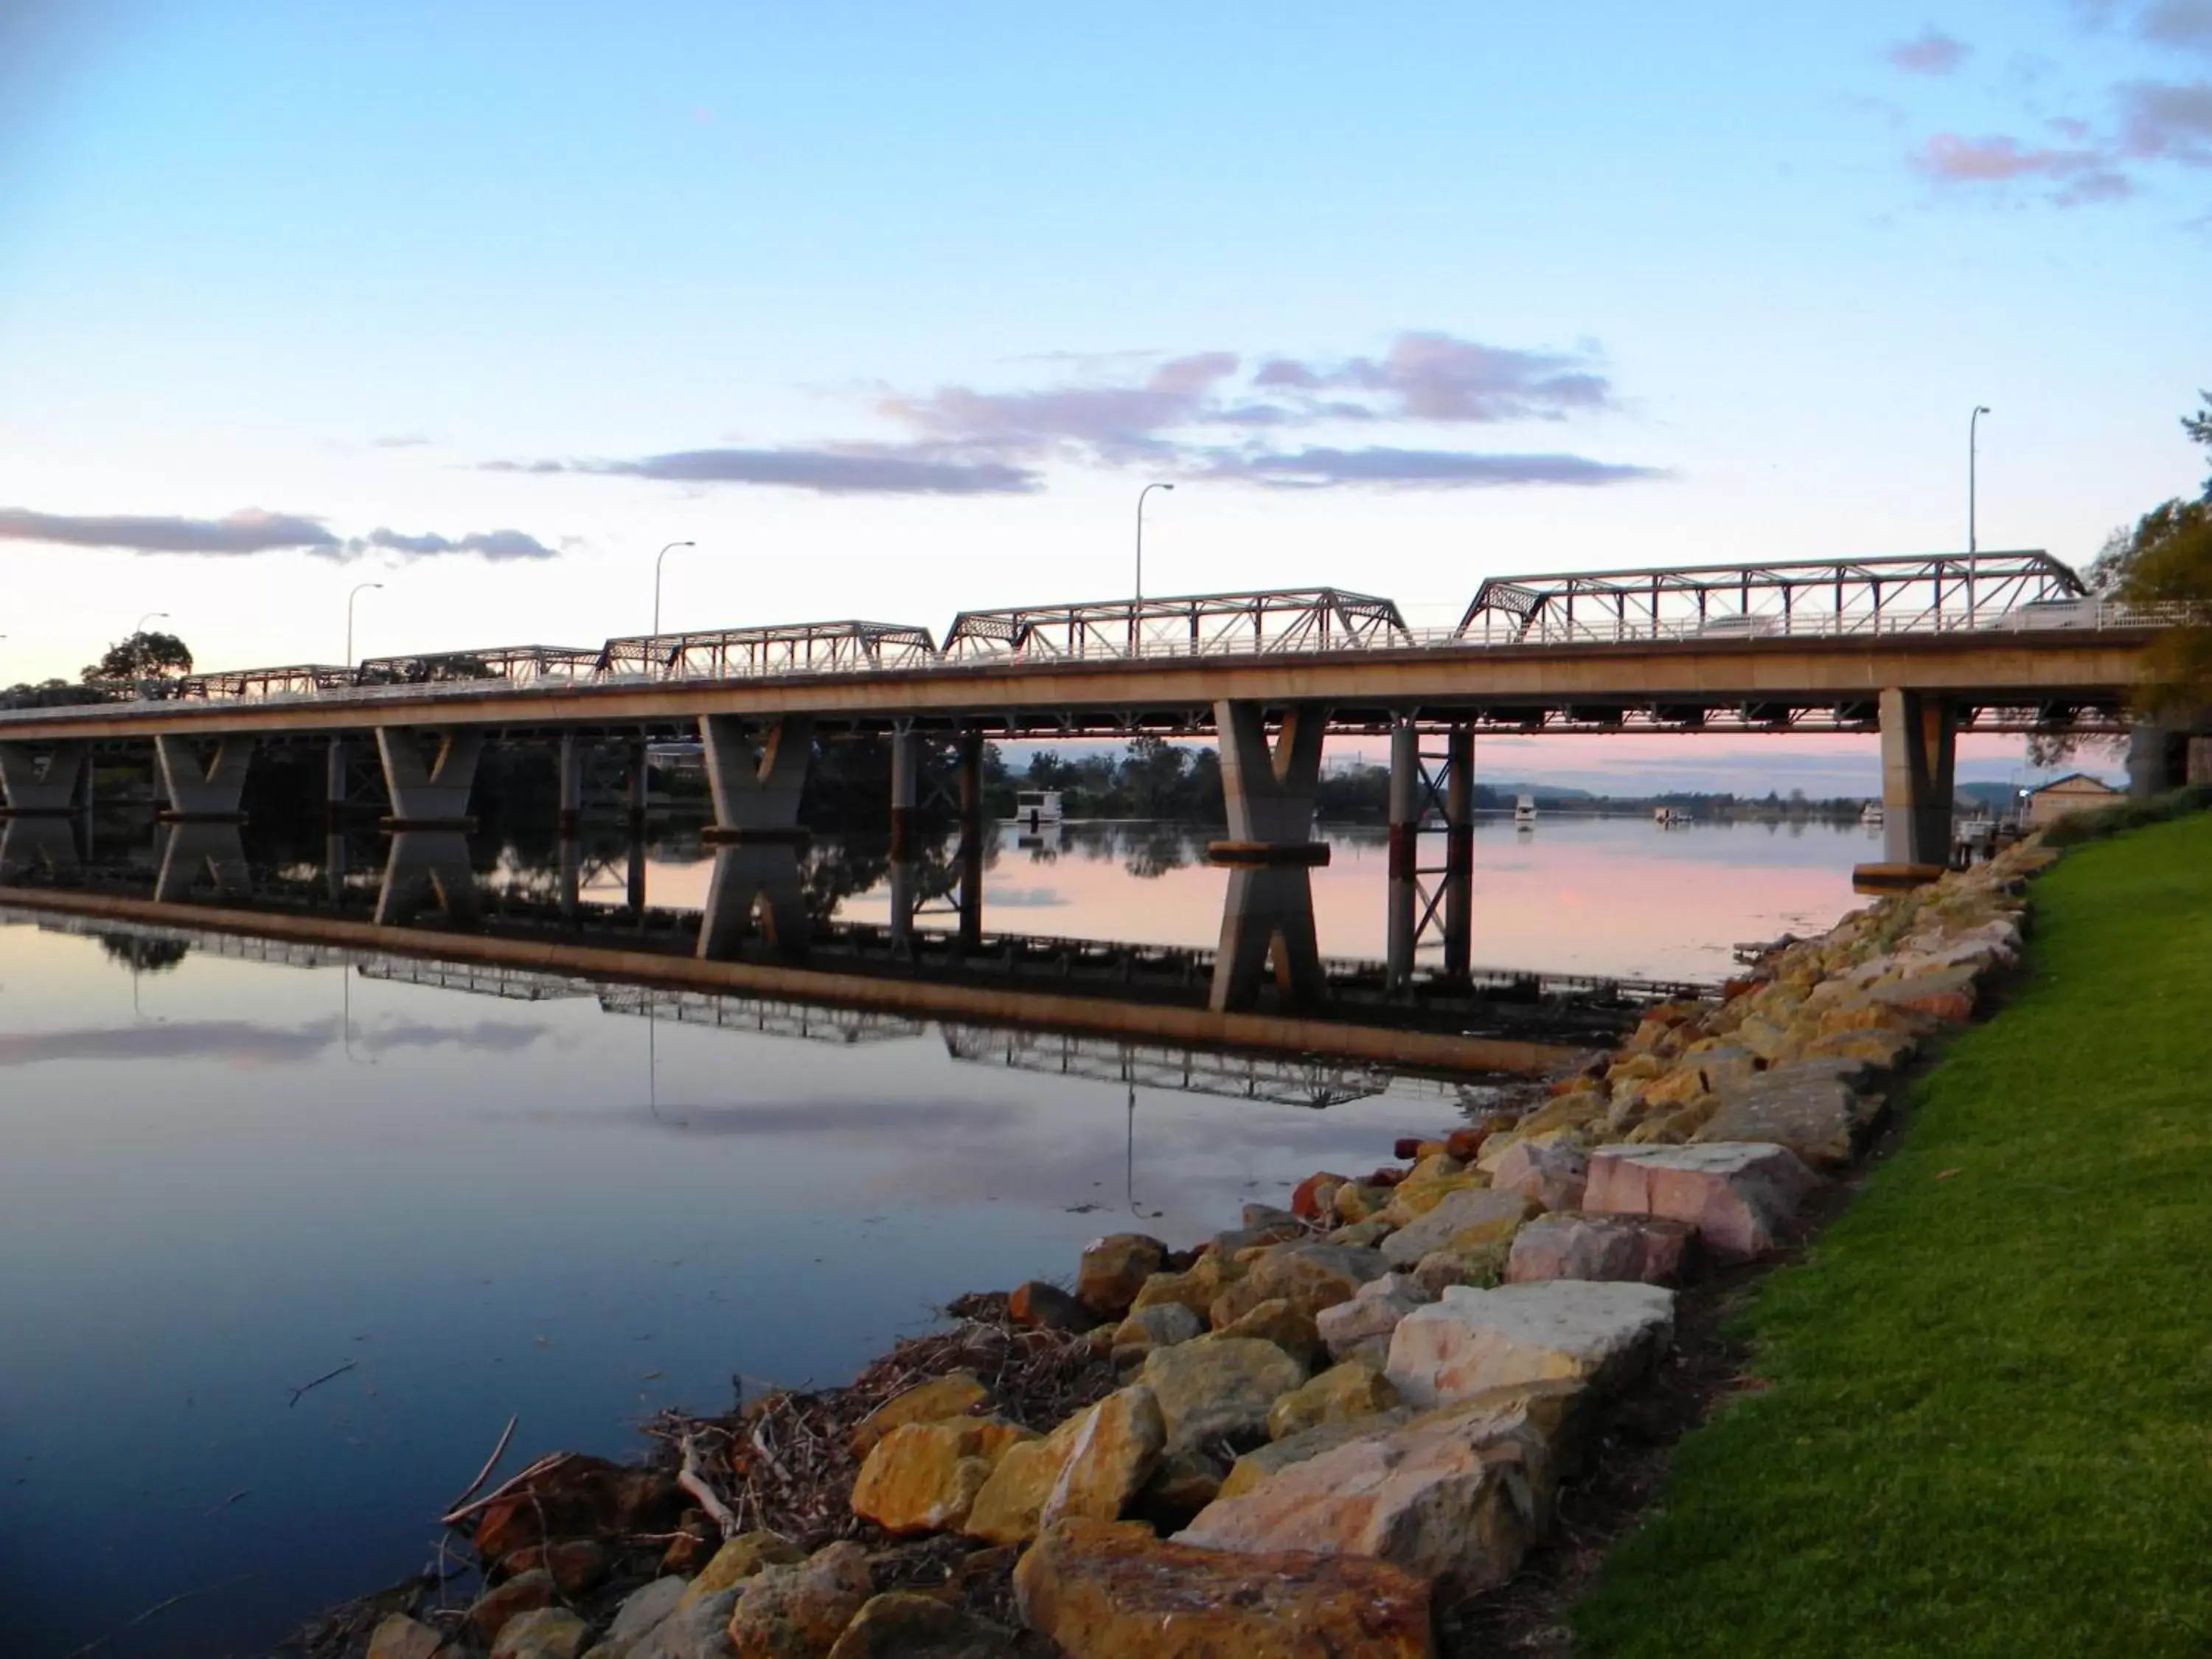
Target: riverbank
pixel 1331 1428
pixel 1979 1412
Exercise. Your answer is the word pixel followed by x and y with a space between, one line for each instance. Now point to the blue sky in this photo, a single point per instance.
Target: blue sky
pixel 892 309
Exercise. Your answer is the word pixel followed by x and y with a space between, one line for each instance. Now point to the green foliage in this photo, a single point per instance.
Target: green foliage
pixel 1983 1410
pixel 145 655
pixel 51 694
pixel 1152 778
pixel 2077 827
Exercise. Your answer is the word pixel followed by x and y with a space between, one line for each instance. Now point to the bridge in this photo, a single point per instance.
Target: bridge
pixel 1917 648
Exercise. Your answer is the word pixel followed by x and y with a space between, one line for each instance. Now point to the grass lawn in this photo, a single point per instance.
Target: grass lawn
pixel 1986 1427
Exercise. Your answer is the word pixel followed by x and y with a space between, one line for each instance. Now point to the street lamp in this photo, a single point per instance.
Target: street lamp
pixel 147 617
pixel 1973 420
pixel 656 580
pixel 1136 609
pixel 359 588
pixel 138 658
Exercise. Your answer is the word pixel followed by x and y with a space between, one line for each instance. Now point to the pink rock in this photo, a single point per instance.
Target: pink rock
pixel 1636 1249
pixel 1741 1196
pixel 1552 1176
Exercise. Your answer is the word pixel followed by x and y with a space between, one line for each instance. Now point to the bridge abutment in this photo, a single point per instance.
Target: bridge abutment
pixel 199 788
pixel 429 791
pixel 44 783
pixel 756 774
pixel 1268 788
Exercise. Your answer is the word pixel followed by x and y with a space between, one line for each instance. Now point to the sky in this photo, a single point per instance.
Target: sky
pixel 892 310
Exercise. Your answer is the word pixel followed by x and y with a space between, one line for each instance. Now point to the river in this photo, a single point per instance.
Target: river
pixel 234 1167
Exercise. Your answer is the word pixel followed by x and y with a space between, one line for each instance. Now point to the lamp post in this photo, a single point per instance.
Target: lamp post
pixel 138 660
pixel 1972 422
pixel 1137 608
pixel 656 580
pixel 359 588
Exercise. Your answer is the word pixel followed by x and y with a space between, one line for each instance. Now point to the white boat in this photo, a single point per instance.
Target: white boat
pixel 1872 816
pixel 1667 817
pixel 1524 810
pixel 1034 808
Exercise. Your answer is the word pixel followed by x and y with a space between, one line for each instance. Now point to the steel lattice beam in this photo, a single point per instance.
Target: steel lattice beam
pixel 1287 620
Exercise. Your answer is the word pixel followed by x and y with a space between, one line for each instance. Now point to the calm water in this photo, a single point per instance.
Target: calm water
pixel 223 1178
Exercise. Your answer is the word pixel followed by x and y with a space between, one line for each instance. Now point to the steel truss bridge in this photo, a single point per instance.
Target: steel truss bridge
pixel 2014 637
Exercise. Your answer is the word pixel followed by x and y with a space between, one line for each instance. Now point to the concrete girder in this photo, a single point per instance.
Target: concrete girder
pixel 425 867
pixel 1268 937
pixel 756 779
pixel 1919 749
pixel 196 847
pixel 432 790
pixel 37 783
pixel 1267 789
pixel 208 787
pixel 754 890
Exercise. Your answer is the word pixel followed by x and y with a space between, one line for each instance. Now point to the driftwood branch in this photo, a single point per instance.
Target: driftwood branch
pixel 545 1465
pixel 693 1479
pixel 319 1382
pixel 162 1605
pixel 489 1464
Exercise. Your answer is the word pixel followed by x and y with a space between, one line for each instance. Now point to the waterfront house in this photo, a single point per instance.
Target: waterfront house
pixel 2075 793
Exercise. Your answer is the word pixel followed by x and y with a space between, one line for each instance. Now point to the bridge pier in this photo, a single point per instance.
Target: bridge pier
pixel 334 783
pixel 427 867
pixel 1459 850
pixel 1268 937
pixel 205 791
pixel 429 792
pixel 756 780
pixel 1401 887
pixel 48 784
pixel 42 841
pixel 906 775
pixel 1919 749
pixel 755 889
pixel 1268 788
pixel 196 847
pixel 970 900
pixel 569 812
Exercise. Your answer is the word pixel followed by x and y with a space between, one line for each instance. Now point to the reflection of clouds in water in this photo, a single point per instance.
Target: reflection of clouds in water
pixel 865 1119
pixel 1026 898
pixel 244 1042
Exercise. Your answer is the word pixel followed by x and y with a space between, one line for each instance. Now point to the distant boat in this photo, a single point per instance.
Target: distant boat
pixel 1524 810
pixel 1872 816
pixel 1035 808
pixel 1667 817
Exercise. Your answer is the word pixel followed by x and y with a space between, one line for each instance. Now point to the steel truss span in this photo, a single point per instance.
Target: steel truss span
pixel 1288 620
pixel 1931 592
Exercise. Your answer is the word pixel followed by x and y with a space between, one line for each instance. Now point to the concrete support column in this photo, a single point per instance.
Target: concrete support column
pixel 971 840
pixel 1267 789
pixel 334 781
pixel 571 877
pixel 429 786
pixel 196 847
pixel 1401 892
pixel 334 865
pixel 755 890
pixel 906 775
pixel 208 790
pixel 1267 939
pixel 1459 850
pixel 428 867
pixel 41 783
pixel 757 774
pixel 2152 767
pixel 2196 768
pixel 37 843
pixel 639 784
pixel 1919 745
pixel 568 812
pixel 634 886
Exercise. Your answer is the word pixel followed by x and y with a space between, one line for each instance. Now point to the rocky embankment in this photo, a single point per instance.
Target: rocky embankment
pixel 1302 1438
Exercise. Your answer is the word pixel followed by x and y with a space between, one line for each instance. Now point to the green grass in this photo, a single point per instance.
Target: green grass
pixel 1988 1422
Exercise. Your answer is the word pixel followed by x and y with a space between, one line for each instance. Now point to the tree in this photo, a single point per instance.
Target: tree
pixel 2166 560
pixel 144 656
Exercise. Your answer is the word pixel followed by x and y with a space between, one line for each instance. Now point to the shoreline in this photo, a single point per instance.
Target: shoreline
pixel 1330 1332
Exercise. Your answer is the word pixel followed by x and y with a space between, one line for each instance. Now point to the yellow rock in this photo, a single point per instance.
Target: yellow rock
pixel 1567 1112
pixel 1356 1389
pixel 954 1395
pixel 1639 1064
pixel 737 1560
pixel 1676 1089
pixel 1360 1201
pixel 1196 1290
pixel 925 1477
pixel 1277 1322
pixel 1412 1200
pixel 1007 1504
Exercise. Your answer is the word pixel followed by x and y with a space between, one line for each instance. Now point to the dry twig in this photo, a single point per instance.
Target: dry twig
pixel 319 1382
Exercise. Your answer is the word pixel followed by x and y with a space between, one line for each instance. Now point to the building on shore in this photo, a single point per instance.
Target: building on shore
pixel 2077 791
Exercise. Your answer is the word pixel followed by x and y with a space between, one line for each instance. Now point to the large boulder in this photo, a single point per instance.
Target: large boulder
pixel 1046 1307
pixel 548 1633
pixel 525 1592
pixel 398 1637
pixel 1371 1314
pixel 799 1612
pixel 954 1394
pixel 924 1477
pixel 1741 1196
pixel 645 1608
pixel 1457 1495
pixel 1356 1389
pixel 1218 1388
pixel 903 1625
pixel 1463 1220
pixel 1277 1322
pixel 739 1560
pixel 579 1497
pixel 1197 1288
pixel 1308 1276
pixel 1008 1504
pixel 1262 1461
pixel 1111 1455
pixel 1159 1325
pixel 1809 1107
pixel 1604 1334
pixel 700 1630
pixel 1550 1177
pixel 1102 1591
pixel 1639 1248
pixel 1114 1269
